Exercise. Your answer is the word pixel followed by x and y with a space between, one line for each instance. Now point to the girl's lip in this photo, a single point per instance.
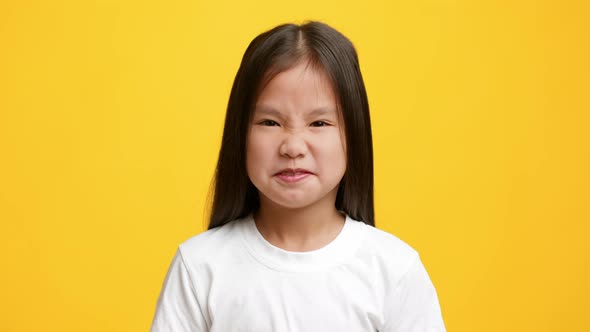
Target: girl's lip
pixel 293 177
pixel 290 175
pixel 292 171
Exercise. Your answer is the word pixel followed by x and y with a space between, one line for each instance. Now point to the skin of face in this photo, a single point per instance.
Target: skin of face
pixel 295 125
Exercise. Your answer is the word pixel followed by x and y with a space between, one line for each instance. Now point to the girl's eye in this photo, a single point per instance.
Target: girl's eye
pixel 319 124
pixel 269 123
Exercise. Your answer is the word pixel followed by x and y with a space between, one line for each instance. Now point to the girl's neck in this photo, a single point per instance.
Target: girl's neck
pixel 303 229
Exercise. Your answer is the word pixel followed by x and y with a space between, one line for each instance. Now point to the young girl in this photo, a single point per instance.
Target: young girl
pixel 291 244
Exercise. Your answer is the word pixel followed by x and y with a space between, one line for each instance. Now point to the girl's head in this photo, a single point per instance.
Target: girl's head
pixel 298 102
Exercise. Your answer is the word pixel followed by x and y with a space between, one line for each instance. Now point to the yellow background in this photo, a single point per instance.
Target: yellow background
pixel 111 115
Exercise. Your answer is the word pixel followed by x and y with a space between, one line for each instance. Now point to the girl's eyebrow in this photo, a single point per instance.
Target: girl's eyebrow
pixel 264 110
pixel 322 111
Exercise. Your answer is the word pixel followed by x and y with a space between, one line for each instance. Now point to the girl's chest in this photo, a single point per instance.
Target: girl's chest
pixel 265 300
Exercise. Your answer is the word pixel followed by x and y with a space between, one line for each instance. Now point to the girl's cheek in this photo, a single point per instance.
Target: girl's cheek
pixel 331 143
pixel 261 141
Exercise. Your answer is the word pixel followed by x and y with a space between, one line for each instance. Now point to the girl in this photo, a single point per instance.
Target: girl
pixel 291 244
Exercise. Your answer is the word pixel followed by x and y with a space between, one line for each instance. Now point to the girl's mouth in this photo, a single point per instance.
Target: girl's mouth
pixel 293 175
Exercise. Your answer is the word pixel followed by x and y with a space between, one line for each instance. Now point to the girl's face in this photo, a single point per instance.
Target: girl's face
pixel 295 151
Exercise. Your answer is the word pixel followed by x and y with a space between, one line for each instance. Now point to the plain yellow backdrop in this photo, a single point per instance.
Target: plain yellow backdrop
pixel 111 115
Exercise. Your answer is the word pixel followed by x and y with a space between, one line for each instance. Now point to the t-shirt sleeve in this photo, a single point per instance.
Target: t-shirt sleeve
pixel 177 309
pixel 413 305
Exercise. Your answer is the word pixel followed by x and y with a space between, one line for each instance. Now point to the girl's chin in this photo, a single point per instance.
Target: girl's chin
pixel 298 201
pixel 292 204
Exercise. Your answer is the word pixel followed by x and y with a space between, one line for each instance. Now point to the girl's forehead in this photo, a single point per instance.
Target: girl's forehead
pixel 301 73
pixel 302 87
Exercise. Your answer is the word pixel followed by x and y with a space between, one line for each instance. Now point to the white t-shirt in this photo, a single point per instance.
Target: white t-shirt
pixel 231 279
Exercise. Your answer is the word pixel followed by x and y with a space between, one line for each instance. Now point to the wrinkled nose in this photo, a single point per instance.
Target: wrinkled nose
pixel 293 146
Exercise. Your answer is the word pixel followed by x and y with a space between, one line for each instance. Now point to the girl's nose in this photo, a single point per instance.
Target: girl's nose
pixel 293 146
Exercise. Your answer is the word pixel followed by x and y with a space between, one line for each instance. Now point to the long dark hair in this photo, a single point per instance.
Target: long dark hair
pixel 268 54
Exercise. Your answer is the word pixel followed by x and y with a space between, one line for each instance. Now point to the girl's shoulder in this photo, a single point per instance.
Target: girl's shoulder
pixel 386 249
pixel 385 242
pixel 212 243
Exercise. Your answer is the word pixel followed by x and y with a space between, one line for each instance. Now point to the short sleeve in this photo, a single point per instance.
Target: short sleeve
pixel 177 309
pixel 413 305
